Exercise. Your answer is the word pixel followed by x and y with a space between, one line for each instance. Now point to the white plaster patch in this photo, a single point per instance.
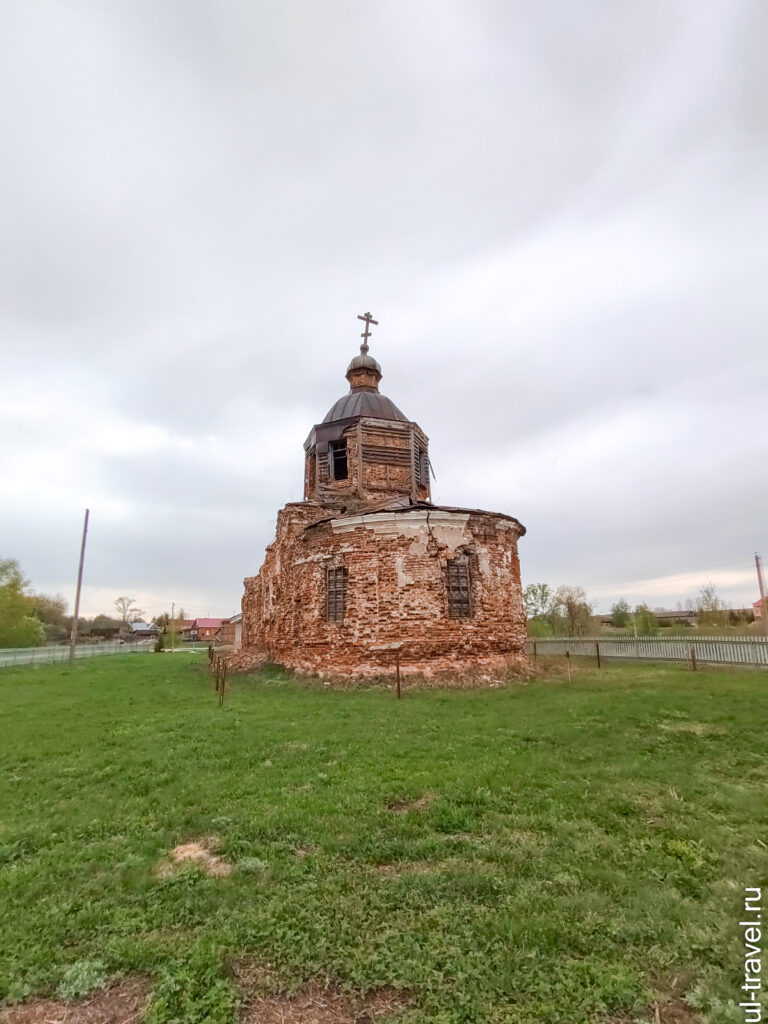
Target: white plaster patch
pixel 406 524
pixel 321 556
pixel 484 562
pixel 403 579
pixel 325 556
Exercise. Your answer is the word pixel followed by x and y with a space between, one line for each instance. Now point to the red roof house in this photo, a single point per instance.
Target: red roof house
pixel 204 629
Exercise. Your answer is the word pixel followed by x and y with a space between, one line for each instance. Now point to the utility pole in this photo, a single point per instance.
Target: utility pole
pixel 73 638
pixel 761 585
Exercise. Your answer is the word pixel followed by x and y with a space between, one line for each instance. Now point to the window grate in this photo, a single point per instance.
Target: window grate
pixel 458 589
pixel 336 594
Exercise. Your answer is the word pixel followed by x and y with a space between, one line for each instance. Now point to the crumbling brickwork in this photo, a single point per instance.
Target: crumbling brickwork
pixel 396 598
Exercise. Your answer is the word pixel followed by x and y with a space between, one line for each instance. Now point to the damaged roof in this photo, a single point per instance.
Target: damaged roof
pixel 407 504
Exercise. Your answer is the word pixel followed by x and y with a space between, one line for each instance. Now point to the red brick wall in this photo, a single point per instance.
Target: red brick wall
pixel 396 593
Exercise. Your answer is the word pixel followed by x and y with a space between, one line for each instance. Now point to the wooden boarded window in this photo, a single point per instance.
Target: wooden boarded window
pixel 458 589
pixel 338 451
pixel 336 594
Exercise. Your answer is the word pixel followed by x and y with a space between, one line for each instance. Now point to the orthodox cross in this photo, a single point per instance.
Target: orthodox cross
pixel 367 333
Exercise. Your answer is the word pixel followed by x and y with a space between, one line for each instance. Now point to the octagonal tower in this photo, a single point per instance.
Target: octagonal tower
pixel 365 450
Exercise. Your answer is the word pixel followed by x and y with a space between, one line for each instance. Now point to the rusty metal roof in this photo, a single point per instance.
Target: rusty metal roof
pixel 364 402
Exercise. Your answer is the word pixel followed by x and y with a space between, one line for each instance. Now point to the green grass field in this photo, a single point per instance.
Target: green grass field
pixel 553 852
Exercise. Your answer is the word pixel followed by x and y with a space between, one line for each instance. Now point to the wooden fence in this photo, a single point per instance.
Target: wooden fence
pixel 725 650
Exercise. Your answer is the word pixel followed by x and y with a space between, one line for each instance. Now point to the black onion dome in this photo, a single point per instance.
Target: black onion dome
pixel 361 402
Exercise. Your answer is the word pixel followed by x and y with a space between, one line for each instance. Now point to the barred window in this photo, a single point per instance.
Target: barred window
pixel 458 590
pixel 336 594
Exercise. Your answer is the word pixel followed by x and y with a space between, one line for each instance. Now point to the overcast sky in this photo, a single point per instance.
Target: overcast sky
pixel 557 211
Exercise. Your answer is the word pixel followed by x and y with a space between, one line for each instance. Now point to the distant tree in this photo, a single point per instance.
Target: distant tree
pixel 19 626
pixel 52 612
pixel 537 598
pixel 162 620
pixel 541 609
pixel 83 625
pixel 644 621
pixel 105 625
pixel 575 610
pixel 711 610
pixel 621 614
pixel 127 610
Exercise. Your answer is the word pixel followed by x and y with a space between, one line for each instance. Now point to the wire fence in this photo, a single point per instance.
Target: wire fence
pixel 725 650
pixel 48 655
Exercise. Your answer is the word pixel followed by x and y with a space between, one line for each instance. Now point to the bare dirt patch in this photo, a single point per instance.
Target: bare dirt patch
pixel 673 1011
pixel 403 806
pixel 317 1005
pixel 692 728
pixel 120 1003
pixel 424 867
pixel 414 867
pixel 197 851
pixel 669 1006
pixel 309 850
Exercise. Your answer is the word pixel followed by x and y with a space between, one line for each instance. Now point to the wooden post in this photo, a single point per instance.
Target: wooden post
pixel 534 651
pixel 693 659
pixel 359 459
pixel 570 674
pixel 597 652
pixel 397 673
pixel 73 635
pixel 761 587
pixel 413 465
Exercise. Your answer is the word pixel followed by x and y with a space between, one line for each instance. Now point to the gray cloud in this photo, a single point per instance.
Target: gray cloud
pixel 558 214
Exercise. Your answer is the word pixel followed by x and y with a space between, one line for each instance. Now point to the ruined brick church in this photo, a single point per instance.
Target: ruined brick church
pixel 366 569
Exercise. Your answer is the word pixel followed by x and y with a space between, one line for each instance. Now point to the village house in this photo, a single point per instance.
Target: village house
pixel 366 571
pixel 143 631
pixel 206 630
pixel 231 631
